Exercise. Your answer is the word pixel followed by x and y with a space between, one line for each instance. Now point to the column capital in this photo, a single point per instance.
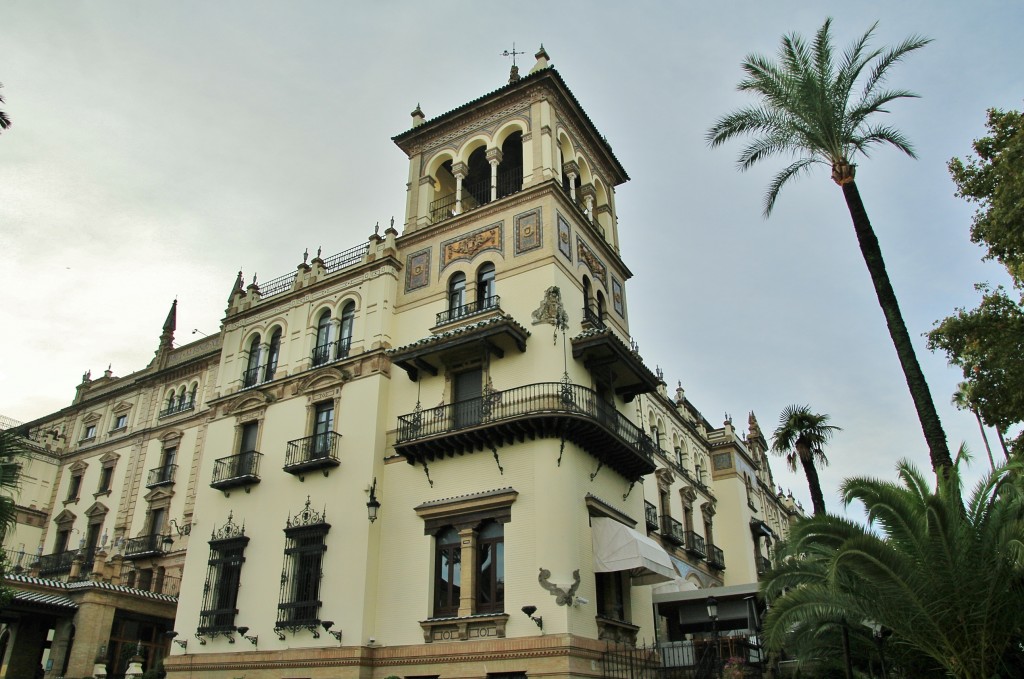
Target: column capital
pixel 588 191
pixel 460 170
pixel 493 155
pixel 570 167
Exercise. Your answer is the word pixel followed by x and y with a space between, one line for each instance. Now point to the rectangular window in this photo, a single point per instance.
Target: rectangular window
pixel 323 427
pixel 611 597
pixel 74 487
pixel 223 577
pixel 247 441
pixel 467 392
pixel 90 432
pixel 299 604
pixel 447 573
pixel 106 476
pixel 120 422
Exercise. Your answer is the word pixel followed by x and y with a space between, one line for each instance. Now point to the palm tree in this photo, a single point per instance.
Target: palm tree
pixel 800 437
pixel 809 110
pixel 947 579
pixel 5 121
pixel 11 450
pixel 962 400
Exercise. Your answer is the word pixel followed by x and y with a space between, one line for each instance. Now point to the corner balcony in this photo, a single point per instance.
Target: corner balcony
pixel 601 349
pixel 145 546
pixel 495 334
pixel 543 410
pixel 319 451
pixel 161 476
pixel 236 470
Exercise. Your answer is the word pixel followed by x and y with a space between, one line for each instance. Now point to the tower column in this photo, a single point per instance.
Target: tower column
pixel 589 193
pixel 460 171
pixel 494 158
pixel 335 336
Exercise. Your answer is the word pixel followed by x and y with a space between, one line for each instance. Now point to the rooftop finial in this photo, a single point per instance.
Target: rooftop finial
pixel 417 115
pixel 513 74
pixel 543 60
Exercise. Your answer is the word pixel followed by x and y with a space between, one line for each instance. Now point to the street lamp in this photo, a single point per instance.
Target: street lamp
pixel 712 605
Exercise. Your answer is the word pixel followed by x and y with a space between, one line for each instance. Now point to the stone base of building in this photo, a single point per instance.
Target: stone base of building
pixel 555 656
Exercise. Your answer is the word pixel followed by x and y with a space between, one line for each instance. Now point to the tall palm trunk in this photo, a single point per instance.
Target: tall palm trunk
pixel 984 437
pixel 931 426
pixel 811 472
pixel 1002 442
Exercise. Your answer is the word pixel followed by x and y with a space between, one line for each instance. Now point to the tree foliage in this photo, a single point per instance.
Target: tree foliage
pixel 946 578
pixel 987 342
pixel 12 449
pixel 801 436
pixel 994 179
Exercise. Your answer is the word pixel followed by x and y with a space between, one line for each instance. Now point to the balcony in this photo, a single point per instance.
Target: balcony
pixel 319 451
pixel 694 544
pixel 672 531
pixel 651 516
pixel 332 351
pixel 251 377
pixel 145 546
pixel 492 303
pixel 236 470
pixel 477 193
pixel 716 558
pixel 175 408
pixel 57 566
pixel 161 476
pixel 763 565
pixel 544 410
pixel 593 317
pixel 601 349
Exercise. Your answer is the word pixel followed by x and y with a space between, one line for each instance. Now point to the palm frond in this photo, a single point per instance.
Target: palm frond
pixel 886 60
pixel 882 134
pixel 778 181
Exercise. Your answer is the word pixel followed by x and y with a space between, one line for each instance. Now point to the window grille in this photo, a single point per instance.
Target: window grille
pixel 299 603
pixel 223 578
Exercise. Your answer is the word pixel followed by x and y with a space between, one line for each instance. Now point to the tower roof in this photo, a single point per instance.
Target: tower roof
pixel 407 140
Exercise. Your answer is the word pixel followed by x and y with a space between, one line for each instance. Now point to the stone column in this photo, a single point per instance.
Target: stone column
pixel 59 647
pixel 25 648
pixel 335 336
pixel 93 622
pixel 494 158
pixel 589 193
pixel 460 171
pixel 424 199
pixel 467 589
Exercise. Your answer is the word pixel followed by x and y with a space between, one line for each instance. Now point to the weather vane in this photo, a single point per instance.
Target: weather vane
pixel 512 54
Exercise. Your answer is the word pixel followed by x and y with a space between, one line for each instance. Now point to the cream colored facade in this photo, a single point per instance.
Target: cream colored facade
pixel 474 376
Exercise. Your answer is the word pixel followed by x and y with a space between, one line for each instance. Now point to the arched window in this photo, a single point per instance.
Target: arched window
pixel 322 350
pixel 273 355
pixel 485 298
pixel 476 187
pixel 447 573
pixel 490 582
pixel 252 368
pixel 192 395
pixel 181 398
pixel 510 169
pixel 600 306
pixel 457 295
pixel 348 317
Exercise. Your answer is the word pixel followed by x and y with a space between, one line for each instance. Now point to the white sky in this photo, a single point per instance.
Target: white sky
pixel 159 147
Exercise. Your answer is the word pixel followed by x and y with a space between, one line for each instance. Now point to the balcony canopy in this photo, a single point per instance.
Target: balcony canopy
pixel 618 547
pixel 602 351
pixel 497 334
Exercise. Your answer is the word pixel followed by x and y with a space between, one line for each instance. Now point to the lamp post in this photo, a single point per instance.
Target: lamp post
pixel 712 604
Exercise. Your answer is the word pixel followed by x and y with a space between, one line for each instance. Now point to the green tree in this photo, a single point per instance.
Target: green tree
pixel 987 342
pixel 800 436
pixel 994 179
pixel 946 578
pixel 5 120
pixel 809 109
pixel 12 449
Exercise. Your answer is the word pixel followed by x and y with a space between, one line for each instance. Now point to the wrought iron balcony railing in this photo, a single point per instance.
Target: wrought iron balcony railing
pixel 251 376
pixel 332 351
pixel 242 469
pixel 478 192
pixel 695 544
pixel 593 317
pixel 145 545
pixel 672 531
pixel 651 516
pixel 174 408
pixel 492 303
pixel 149 581
pixel 58 563
pixel 716 557
pixel 319 451
pixel 161 476
pixel 547 409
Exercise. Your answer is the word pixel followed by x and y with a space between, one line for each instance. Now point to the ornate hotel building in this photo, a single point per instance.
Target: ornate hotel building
pixel 438 453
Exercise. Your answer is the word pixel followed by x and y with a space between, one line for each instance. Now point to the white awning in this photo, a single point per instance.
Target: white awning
pixel 618 547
